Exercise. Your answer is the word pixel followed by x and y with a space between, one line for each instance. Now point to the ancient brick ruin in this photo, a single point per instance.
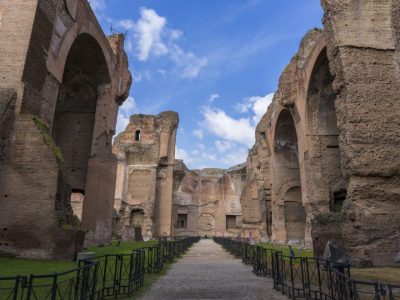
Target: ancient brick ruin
pixel 62 81
pixel 325 165
pixel 332 136
pixel 143 195
pixel 207 201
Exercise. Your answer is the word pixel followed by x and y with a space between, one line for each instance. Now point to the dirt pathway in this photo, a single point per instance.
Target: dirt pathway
pixel 207 271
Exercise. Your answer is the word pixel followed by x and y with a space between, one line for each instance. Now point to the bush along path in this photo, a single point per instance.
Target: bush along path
pixel 308 277
pixel 108 276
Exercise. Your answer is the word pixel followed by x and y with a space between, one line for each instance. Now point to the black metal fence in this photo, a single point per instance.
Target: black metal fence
pixel 308 277
pixel 102 277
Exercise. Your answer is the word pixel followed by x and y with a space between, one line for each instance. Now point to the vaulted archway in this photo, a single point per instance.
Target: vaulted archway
pixel 286 169
pixel 85 76
pixel 325 173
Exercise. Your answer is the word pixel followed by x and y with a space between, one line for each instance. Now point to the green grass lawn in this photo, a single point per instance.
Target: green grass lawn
pixel 285 250
pixel 123 248
pixel 382 274
pixel 10 266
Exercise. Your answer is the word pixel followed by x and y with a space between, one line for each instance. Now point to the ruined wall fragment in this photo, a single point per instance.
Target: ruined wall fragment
pixel 207 201
pixel 145 153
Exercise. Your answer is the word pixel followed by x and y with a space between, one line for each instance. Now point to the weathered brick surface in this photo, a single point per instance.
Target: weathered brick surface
pixel 46 48
pixel 143 195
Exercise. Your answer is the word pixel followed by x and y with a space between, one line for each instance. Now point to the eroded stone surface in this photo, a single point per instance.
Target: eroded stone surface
pixel 332 133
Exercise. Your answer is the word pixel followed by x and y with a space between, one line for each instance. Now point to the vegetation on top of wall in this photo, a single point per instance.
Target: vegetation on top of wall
pixel 47 138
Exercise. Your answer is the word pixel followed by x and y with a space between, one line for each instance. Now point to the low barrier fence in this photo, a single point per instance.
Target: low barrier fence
pixel 308 277
pixel 102 277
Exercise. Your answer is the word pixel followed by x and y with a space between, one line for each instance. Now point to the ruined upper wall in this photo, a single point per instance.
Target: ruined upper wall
pixel 144 151
pixel 207 197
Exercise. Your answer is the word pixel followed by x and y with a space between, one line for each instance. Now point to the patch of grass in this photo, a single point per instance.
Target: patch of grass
pixel 18 266
pixel 285 250
pixel 123 248
pixel 381 274
pixel 10 266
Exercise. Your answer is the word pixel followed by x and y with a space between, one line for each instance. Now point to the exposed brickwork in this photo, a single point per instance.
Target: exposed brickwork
pixel 40 57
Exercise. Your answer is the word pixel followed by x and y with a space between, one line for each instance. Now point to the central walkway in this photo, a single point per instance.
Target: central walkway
pixel 207 271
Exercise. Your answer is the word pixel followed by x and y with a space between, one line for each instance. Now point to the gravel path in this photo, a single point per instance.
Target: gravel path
pixel 207 271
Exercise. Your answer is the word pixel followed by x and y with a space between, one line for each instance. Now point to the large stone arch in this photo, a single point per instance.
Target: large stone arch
pixel 86 75
pixel 37 174
pixel 289 211
pixel 324 172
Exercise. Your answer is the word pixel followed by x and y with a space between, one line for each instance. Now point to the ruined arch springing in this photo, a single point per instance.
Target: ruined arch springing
pixel 85 74
pixel 322 130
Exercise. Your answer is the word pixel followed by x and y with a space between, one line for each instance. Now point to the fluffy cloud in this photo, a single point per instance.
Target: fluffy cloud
pixel 125 111
pixel 188 64
pixel 212 98
pixel 235 156
pixel 148 32
pixel 223 126
pixel 223 146
pixel 198 133
pixel 152 37
pixel 256 104
pixel 182 154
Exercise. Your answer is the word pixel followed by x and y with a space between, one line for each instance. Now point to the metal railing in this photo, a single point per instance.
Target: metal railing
pixel 107 276
pixel 308 277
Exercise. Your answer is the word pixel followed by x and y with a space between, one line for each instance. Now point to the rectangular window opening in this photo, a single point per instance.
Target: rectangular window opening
pixel 182 221
pixel 230 222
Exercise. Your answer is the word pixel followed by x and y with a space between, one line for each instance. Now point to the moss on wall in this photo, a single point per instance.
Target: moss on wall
pixel 45 133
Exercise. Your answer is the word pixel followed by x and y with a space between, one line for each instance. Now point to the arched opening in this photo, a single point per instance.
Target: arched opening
pixel 85 74
pixel 323 134
pixel 136 220
pixel 295 216
pixel 287 177
pixel 137 135
pixel 136 217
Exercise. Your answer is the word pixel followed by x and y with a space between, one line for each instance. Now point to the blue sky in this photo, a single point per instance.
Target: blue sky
pixel 215 62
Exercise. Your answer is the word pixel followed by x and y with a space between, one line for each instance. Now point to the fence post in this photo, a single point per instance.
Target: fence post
pixel 16 288
pixel 292 277
pixel 94 284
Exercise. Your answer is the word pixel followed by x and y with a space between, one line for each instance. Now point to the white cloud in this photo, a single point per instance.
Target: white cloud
pixel 188 64
pixel 98 5
pixel 198 133
pixel 257 104
pixel 136 76
pixel 236 156
pixel 223 146
pixel 182 154
pixel 152 37
pixel 128 108
pixel 212 98
pixel 148 32
pixel 175 34
pixel 161 71
pixel 223 126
